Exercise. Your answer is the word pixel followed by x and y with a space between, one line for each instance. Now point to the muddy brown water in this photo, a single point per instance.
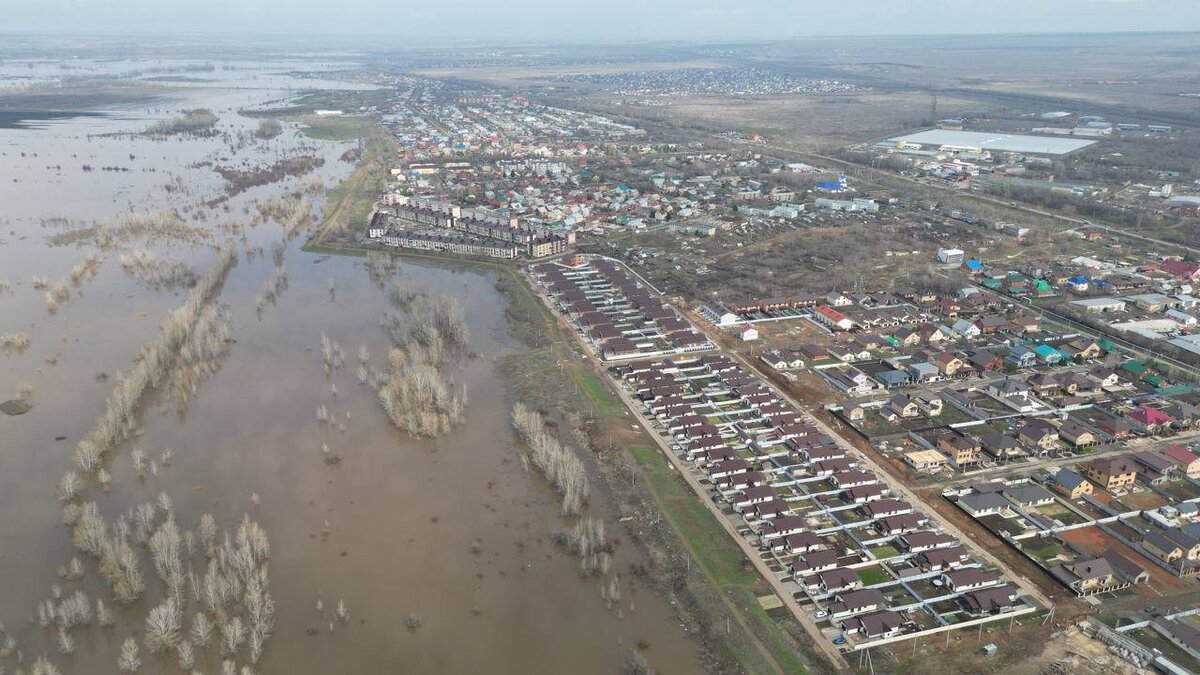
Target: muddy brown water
pixel 453 529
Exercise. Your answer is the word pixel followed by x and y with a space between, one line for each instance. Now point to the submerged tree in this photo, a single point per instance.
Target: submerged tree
pixel 128 661
pixel 162 627
pixel 557 462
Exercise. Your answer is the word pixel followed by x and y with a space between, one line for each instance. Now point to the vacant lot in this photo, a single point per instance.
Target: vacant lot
pixel 1143 500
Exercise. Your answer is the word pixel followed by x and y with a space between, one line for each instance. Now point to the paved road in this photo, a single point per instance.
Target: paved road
pixel 751 553
pixel 1124 448
pixel 829 649
pixel 1004 470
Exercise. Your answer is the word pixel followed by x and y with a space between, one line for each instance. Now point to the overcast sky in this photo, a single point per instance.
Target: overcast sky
pixel 600 19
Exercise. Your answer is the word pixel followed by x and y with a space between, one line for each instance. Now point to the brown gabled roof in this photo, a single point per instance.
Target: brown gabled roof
pixel 1114 466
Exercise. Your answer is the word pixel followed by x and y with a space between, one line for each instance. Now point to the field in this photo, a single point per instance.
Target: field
pixel 603 403
pixel 815 123
pixel 344 128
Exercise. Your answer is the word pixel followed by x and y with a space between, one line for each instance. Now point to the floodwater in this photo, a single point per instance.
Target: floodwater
pixel 453 529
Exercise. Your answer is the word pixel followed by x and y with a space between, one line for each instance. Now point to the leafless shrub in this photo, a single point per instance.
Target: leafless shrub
pixel 273 287
pixel 86 269
pixel 199 121
pixel 43 666
pixel 202 630
pixel 140 462
pixel 64 642
pixel 268 129
pixel 74 570
pixel 416 395
pixel 145 266
pixel 163 626
pixel 128 662
pixel 180 354
pixel 8 647
pixel 187 657
pixel 104 616
pixel 381 267
pixel 14 343
pixel 75 610
pixel 557 462
pixel 233 633
pixel 69 486
pixel 417 398
pixel 161 226
pixel 294 215
pixel 637 664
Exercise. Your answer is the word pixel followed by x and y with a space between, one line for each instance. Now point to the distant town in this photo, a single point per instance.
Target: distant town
pixel 987 404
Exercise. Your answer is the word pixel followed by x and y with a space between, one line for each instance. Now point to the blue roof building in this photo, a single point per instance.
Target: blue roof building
pixel 1047 354
pixel 838 185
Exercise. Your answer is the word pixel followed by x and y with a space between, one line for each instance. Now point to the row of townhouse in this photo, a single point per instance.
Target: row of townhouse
pixel 620 316
pixel 452 243
pixel 743 439
pixel 506 233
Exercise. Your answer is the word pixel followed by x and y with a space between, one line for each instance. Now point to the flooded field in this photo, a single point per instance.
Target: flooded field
pixel 440 550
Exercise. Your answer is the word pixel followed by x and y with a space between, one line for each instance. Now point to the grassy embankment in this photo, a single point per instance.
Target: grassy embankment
pixel 349 205
pixel 723 563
